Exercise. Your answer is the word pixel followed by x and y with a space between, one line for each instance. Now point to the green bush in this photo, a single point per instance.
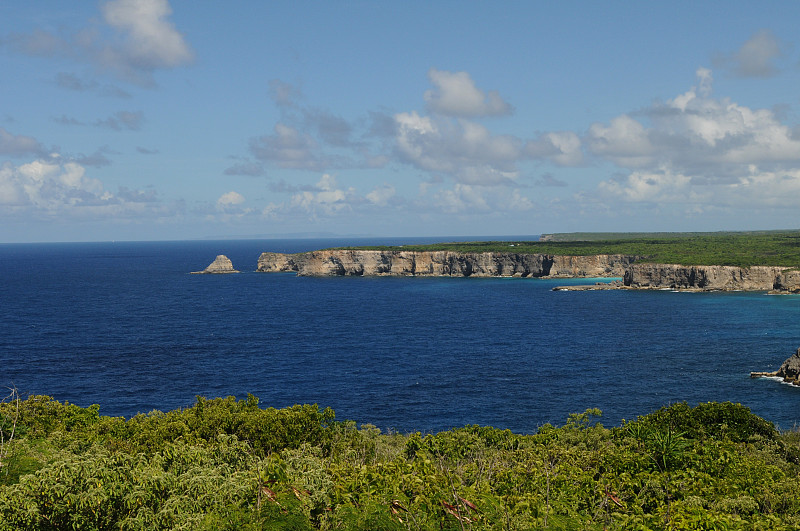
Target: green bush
pixel 228 464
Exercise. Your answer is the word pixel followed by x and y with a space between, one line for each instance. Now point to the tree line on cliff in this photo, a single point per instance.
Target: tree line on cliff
pixel 740 249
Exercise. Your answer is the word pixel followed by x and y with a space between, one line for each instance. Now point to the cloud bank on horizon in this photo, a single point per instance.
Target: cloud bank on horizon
pixel 145 119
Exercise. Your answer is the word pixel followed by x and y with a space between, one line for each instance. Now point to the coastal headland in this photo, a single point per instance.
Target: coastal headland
pixel 761 261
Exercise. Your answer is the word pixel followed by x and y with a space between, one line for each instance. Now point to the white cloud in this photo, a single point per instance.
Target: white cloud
pixel 230 199
pixel 380 196
pixel 151 40
pixel 465 150
pixel 326 198
pixel 143 41
pixel 655 187
pixel 49 186
pixel 55 188
pixel 483 200
pixel 699 153
pixel 625 141
pixel 698 135
pixel 757 189
pixel 455 94
pixel 569 148
pixel 443 143
pixel 461 198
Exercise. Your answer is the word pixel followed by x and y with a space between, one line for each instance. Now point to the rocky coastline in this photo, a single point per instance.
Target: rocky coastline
pixel 635 275
pixel 347 262
pixel 777 280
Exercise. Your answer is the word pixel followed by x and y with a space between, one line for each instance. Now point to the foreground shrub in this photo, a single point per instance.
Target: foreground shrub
pixel 228 464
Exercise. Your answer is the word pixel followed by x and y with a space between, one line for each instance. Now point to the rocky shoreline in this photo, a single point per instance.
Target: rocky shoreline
pixel 789 371
pixel 341 262
pixel 634 275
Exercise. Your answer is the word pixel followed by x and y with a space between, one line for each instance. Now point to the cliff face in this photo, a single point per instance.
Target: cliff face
pixel 447 263
pixel 443 263
pixel 712 278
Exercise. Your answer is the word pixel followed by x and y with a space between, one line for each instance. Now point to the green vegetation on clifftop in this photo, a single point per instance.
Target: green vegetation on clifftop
pixel 228 464
pixel 742 249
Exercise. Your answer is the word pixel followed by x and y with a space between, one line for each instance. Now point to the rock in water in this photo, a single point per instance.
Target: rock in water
pixel 221 264
pixel 789 371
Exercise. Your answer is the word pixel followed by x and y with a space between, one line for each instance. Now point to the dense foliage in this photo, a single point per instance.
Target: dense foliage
pixel 228 464
pixel 743 249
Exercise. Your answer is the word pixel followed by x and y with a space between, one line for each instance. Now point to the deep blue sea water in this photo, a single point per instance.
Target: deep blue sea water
pixel 124 325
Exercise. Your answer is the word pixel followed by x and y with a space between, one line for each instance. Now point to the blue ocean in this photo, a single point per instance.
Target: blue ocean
pixel 125 325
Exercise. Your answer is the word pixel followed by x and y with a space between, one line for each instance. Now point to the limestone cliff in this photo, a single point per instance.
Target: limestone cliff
pixel 713 278
pixel 341 262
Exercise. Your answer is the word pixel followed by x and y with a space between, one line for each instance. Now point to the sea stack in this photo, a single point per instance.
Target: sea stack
pixel 789 371
pixel 221 264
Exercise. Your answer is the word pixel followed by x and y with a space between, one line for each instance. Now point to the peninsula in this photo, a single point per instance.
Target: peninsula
pixel 750 261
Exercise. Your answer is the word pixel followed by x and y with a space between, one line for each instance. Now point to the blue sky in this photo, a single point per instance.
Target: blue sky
pixel 156 119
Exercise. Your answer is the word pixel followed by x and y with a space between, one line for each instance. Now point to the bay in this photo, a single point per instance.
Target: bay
pixel 125 326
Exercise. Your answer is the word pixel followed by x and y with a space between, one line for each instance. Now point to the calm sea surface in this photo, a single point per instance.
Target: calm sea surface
pixel 124 325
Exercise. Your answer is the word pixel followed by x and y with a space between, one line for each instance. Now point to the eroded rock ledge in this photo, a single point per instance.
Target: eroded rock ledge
pixel 343 262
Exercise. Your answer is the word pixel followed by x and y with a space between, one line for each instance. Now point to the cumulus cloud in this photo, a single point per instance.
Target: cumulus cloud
pixel 326 198
pixel 563 148
pixel 463 149
pixel 625 141
pixel 381 195
pixel 697 135
pixel 48 185
pixel 444 141
pixel 143 41
pixel 702 152
pixel 57 188
pixel 455 94
pixel 470 199
pixel 151 41
pixel 229 199
pixel 756 189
